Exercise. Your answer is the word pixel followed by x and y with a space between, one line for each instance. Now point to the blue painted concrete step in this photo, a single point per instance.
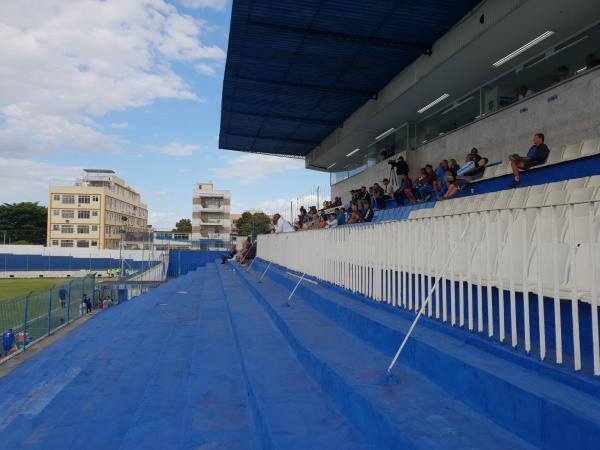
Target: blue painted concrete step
pixel 158 372
pixel 546 406
pixel 408 412
pixel 291 410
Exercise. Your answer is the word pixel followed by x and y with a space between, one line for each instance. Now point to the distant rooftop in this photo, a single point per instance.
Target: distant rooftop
pixel 99 171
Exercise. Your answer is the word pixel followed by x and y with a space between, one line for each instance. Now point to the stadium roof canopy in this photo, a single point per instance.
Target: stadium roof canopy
pixel 297 69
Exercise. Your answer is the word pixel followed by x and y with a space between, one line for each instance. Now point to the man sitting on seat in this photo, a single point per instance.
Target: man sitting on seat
pixel 537 154
pixel 405 190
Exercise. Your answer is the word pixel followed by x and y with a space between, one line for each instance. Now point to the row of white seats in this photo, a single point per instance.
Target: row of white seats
pixel 574 191
pixel 569 152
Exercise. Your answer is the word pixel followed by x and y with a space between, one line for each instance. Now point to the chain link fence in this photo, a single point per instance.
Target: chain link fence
pixel 25 320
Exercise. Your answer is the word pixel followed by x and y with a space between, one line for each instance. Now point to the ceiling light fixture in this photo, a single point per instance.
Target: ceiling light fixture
pixel 353 151
pixel 441 98
pixel 385 133
pixel 520 50
pixel 457 104
pixel 330 166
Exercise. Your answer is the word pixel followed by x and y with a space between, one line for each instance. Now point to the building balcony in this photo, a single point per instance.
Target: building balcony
pixel 208 208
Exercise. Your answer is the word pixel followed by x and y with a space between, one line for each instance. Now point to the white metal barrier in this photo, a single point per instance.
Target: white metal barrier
pixel 515 247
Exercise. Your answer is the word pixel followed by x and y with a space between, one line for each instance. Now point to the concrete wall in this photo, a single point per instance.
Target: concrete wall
pixel 566 113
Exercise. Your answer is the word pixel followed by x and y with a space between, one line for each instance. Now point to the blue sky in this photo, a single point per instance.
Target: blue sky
pixel 132 85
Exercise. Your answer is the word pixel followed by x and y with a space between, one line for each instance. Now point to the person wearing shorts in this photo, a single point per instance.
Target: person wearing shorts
pixel 537 154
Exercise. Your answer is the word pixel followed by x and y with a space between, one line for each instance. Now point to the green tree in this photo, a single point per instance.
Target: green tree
pixel 261 223
pixel 23 223
pixel 184 226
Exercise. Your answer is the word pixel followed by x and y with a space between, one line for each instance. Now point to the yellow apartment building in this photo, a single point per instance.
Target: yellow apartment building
pixel 96 212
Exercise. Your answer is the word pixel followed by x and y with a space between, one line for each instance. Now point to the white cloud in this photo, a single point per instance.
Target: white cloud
pixel 162 220
pixel 198 4
pixel 205 69
pixel 24 180
pixel 249 167
pixel 120 125
pixel 66 63
pixel 176 149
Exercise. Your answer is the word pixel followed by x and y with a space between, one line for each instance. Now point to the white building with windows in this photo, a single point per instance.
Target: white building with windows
pixel 211 214
pixel 95 211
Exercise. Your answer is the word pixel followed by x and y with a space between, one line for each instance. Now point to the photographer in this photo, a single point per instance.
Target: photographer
pixel 400 165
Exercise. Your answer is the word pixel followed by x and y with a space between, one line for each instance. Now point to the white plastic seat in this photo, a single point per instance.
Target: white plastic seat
pixel 575 183
pixel 537 189
pixel 590 147
pixel 546 256
pixel 579 195
pixel 503 200
pixel 555 156
pixel 584 276
pixel 593 181
pixel 572 151
pixel 510 263
pixel 518 198
pixel 555 198
pixel 535 200
pixel 556 186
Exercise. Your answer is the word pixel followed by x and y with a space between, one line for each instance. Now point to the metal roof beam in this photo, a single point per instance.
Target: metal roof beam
pixel 314 87
pixel 274 138
pixel 286 118
pixel 409 47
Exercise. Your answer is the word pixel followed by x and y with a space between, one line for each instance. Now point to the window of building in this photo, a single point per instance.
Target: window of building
pixel 94 243
pixel 95 198
pixel 56 197
pixel 84 199
pixel 94 213
pixel 83 214
pixel 67 229
pixel 94 227
pixel 68 213
pixel 83 229
pixel 55 243
pixel 55 212
pixel 66 243
pixel 68 199
pixel 55 227
pixel 83 244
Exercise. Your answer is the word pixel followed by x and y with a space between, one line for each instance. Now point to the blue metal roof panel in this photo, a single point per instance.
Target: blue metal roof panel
pixel 296 70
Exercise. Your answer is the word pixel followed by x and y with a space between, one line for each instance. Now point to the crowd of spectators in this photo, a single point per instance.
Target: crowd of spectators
pixel 440 183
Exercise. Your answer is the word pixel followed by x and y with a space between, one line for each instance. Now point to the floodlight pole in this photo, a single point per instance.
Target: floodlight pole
pixel 124 220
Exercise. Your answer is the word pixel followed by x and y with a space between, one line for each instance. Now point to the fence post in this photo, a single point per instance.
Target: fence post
pixel 49 310
pixel 69 303
pixel 93 288
pixel 25 320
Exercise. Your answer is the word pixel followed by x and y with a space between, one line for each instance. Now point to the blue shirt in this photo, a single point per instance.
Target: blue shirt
pixel 532 152
pixel 341 219
pixel 440 173
pixel 8 340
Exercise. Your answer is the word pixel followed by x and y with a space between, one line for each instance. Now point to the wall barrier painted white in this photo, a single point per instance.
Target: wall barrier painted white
pixel 520 251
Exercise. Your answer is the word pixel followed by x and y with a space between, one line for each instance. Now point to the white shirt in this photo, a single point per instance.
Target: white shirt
pixel 389 190
pixel 332 223
pixel 283 226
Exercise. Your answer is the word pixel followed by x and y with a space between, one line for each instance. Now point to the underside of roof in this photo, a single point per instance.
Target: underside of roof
pixel 297 69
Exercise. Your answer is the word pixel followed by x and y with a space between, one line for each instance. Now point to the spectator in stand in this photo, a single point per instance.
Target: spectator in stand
pixel 250 254
pixel 401 166
pixel 473 156
pixel 524 92
pixel 366 212
pixel 337 201
pixel 281 225
pixel 537 154
pixel 372 199
pixel 405 190
pixel 302 217
pixel 440 175
pixel 388 189
pixel 379 194
pixel 354 214
pixel 465 178
pixel 332 222
pixel 62 295
pixel 453 166
pixel 429 183
pixel 88 304
pixel 8 342
pixel 321 222
pixel 230 255
pixel 341 216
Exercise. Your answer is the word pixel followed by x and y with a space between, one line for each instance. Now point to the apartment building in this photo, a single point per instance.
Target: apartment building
pixel 95 211
pixel 211 213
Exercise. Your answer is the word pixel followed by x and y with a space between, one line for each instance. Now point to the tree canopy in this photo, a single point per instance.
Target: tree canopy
pixel 184 226
pixel 261 223
pixel 23 223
